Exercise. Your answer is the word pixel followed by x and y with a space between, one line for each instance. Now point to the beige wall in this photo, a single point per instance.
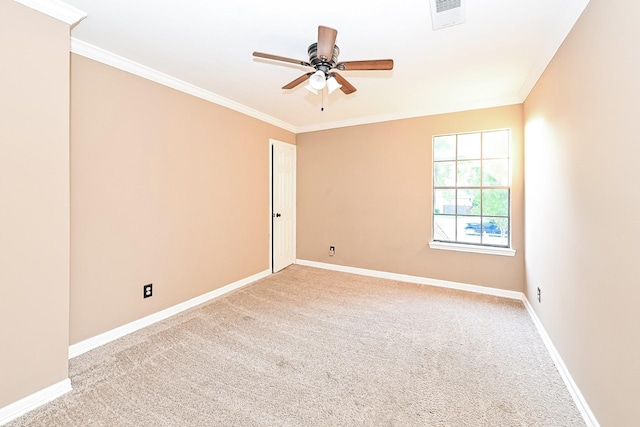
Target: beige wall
pixel 367 190
pixel 170 189
pixel 582 204
pixel 166 189
pixel 34 194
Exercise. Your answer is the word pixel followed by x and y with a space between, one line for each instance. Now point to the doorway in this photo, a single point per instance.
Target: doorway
pixel 282 167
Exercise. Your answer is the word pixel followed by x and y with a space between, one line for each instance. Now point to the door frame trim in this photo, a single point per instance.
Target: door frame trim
pixel 273 142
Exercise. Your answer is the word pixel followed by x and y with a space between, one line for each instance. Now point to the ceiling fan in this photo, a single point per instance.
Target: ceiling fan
pixel 323 56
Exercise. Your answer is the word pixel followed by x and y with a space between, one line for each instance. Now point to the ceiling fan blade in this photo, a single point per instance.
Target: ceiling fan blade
pixel 372 64
pixel 347 87
pixel 326 42
pixel 297 81
pixel 281 58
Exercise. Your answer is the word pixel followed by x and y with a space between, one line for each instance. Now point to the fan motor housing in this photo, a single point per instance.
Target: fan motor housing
pixel 318 62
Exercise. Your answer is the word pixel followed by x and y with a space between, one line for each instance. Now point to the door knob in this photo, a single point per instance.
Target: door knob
pixel 276 215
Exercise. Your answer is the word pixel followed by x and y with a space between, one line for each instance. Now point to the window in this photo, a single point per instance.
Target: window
pixel 471 188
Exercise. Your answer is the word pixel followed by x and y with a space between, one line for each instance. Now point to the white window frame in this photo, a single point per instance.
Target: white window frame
pixel 461 246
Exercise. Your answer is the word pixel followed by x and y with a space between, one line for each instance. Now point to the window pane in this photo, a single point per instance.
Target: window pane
pixel 444 228
pixel 495 231
pixel 469 146
pixel 495 202
pixel 495 144
pixel 469 229
pixel 444 147
pixel 495 172
pixel 469 202
pixel 469 173
pixel 444 201
pixel 444 174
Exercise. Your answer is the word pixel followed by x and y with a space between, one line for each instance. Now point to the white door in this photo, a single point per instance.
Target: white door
pixel 283 204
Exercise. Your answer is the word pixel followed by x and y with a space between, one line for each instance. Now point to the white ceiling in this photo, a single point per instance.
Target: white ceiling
pixel 493 59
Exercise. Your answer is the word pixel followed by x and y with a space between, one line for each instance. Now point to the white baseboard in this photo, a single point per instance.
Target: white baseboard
pixel 589 418
pixel 414 279
pixel 31 402
pixel 581 403
pixel 104 338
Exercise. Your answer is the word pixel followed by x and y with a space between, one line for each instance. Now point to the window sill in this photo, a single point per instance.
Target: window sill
pixel 489 250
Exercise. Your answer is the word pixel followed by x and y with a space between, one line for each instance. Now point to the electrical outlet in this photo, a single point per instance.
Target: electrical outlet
pixel 147 290
pixel 539 297
pixel 332 250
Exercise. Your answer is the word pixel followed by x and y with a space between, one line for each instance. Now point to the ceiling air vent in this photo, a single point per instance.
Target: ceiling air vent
pixel 445 13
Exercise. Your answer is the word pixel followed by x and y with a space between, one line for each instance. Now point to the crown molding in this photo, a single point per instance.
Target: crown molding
pixel 501 102
pixel 98 54
pixel 101 55
pixel 56 9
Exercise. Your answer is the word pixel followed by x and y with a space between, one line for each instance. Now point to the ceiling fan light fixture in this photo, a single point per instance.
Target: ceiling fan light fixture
pixel 332 84
pixel 311 89
pixel 323 58
pixel 318 80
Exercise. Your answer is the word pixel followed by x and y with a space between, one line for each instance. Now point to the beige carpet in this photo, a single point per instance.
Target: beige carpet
pixel 308 347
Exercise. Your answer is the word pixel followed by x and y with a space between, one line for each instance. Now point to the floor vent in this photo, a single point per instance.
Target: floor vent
pixel 445 13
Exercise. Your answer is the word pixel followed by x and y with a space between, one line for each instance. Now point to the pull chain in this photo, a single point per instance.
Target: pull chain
pixel 322 107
